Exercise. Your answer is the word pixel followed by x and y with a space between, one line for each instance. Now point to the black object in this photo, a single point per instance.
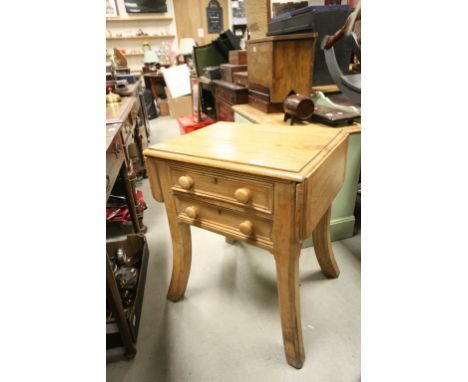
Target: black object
pixel 214 15
pixel 212 72
pixel 349 84
pixel 325 20
pixel 145 6
pixel 149 103
pixel 225 42
pixel 334 117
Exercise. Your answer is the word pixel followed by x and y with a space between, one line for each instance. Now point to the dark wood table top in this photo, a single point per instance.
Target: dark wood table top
pixel 118 112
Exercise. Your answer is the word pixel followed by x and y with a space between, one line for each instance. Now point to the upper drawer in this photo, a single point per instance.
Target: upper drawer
pixel 246 192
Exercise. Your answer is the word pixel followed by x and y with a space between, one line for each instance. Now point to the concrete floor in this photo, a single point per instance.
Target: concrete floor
pixel 227 328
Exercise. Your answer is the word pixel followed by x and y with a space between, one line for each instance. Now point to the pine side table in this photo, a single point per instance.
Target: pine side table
pixel 270 186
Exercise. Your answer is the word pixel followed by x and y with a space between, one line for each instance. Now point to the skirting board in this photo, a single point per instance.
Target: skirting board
pixel 340 229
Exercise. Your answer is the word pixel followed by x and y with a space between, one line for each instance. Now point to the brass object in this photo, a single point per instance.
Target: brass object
pixel 112 98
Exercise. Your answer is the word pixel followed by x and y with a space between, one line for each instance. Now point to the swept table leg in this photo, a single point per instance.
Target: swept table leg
pixel 323 247
pixel 181 258
pixel 287 273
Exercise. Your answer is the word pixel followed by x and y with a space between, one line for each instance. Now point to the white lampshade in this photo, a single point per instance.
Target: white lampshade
pixel 186 45
pixel 150 57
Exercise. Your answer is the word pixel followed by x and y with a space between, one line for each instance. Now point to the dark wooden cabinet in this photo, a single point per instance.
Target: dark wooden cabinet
pixel 228 94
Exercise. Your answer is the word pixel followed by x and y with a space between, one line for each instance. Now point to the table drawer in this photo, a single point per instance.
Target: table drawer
pixel 114 158
pixel 251 193
pixel 222 220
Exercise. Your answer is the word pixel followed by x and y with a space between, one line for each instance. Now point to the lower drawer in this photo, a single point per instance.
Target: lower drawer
pixel 224 221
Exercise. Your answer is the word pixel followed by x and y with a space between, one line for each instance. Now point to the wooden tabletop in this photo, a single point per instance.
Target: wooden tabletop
pixel 111 130
pixel 258 116
pixel 260 149
pixel 118 112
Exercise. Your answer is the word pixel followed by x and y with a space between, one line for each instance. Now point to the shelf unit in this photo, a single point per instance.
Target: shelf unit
pixel 138 18
pixel 160 28
pixel 146 37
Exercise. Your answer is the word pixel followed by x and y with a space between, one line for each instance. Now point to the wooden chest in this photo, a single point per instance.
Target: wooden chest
pixel 241 78
pixel 238 57
pixel 228 94
pixel 282 63
pixel 228 69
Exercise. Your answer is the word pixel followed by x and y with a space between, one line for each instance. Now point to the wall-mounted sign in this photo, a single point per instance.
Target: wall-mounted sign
pixel 214 15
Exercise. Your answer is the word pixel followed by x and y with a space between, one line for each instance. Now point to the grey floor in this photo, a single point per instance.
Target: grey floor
pixel 227 328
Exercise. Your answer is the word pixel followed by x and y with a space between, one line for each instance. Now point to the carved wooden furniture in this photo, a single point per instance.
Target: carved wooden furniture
pixel 125 321
pixel 342 214
pixel 133 138
pixel 277 66
pixel 267 185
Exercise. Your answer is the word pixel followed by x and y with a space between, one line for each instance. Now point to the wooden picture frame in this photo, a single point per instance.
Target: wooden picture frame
pixel 111 8
pixel 196 104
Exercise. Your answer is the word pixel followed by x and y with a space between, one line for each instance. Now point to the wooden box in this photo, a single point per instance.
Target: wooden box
pixel 228 69
pixel 238 57
pixel 241 78
pixel 281 64
pixel 231 93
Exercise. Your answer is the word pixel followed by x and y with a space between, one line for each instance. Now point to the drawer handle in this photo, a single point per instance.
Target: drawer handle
pixel 191 212
pixel 246 227
pixel 243 195
pixel 185 182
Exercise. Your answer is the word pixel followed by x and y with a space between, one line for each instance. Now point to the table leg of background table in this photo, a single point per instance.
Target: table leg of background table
pixel 323 247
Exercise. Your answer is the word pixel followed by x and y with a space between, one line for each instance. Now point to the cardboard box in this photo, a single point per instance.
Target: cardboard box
pixel 179 106
pixel 163 106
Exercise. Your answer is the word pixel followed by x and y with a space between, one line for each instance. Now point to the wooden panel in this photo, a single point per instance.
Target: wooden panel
pixel 260 70
pixel 290 152
pixel 224 111
pixel 222 220
pixel 114 158
pixel 322 186
pixel 191 15
pixel 293 62
pixel 223 187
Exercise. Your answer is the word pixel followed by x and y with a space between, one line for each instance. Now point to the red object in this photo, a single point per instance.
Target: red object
pixel 187 123
pixel 121 213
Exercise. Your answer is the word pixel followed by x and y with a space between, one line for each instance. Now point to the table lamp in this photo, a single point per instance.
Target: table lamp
pixel 186 50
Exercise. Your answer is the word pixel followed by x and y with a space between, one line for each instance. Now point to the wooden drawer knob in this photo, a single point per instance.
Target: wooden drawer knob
pixel 246 227
pixel 185 182
pixel 243 195
pixel 191 212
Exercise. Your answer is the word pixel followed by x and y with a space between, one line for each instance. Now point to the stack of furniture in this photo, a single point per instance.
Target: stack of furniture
pixel 229 90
